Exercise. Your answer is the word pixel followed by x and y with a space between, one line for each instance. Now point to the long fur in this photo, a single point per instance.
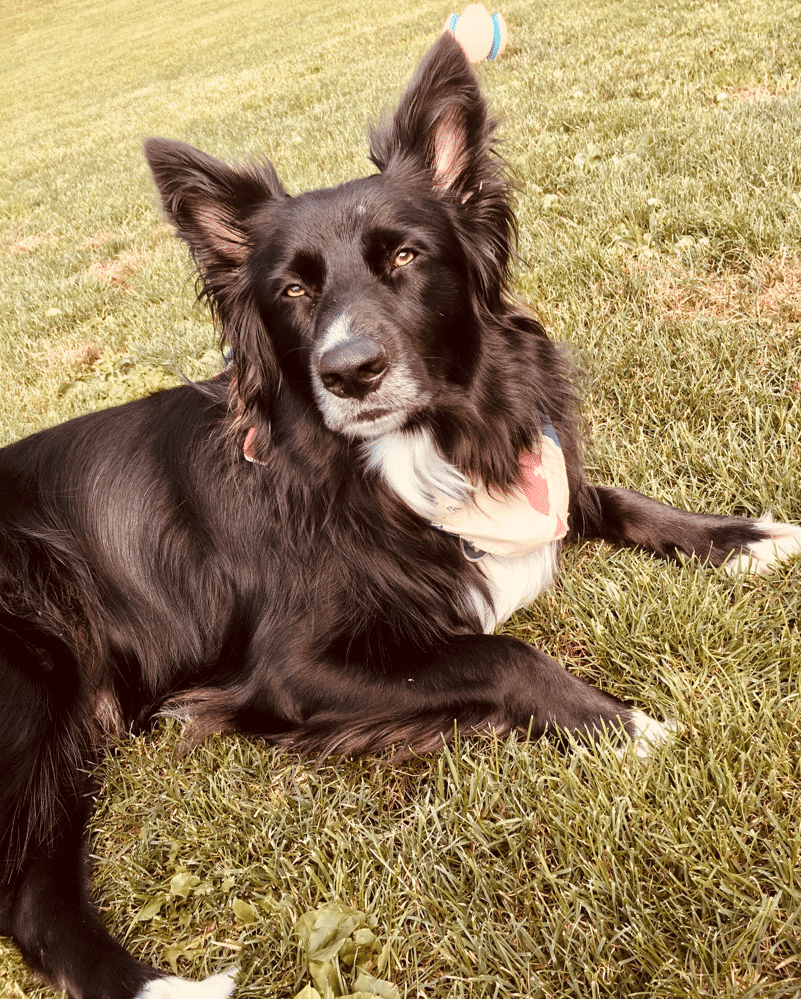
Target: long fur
pixel 255 552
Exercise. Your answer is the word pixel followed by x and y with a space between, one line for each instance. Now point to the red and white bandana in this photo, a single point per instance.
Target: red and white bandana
pixel 516 523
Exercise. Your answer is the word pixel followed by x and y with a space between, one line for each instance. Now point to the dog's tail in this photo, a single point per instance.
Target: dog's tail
pixel 48 756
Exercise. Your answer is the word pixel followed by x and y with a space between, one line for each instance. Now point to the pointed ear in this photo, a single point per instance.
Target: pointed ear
pixel 441 123
pixel 441 130
pixel 208 202
pixel 211 206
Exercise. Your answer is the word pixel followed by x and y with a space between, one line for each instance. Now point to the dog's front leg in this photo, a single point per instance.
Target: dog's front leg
pixel 627 518
pixel 478 683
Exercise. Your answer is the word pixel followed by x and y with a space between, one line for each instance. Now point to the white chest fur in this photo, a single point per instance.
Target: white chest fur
pixel 413 468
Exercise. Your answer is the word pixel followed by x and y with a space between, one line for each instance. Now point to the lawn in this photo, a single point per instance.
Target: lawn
pixel 658 148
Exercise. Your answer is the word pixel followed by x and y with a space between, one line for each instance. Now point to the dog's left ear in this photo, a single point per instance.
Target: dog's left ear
pixel 441 123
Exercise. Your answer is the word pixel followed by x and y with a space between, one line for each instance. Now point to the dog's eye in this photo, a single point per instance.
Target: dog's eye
pixel 403 257
pixel 294 291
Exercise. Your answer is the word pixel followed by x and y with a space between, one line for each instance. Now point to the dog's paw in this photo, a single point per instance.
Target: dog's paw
pixel 173 988
pixel 780 542
pixel 646 733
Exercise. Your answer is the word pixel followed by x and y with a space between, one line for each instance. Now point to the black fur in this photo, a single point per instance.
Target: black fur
pixel 146 566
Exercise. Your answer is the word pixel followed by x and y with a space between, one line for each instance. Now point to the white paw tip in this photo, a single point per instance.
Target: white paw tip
pixel 172 988
pixel 782 541
pixel 649 733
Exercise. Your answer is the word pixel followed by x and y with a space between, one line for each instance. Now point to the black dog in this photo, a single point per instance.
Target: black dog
pixel 314 546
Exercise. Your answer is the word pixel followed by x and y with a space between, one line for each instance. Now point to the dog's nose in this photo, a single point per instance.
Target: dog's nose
pixel 353 368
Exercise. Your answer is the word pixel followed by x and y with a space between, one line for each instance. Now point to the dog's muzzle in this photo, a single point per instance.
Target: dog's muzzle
pixel 365 385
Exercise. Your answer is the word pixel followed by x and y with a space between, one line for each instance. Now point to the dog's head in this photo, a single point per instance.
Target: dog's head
pixel 361 299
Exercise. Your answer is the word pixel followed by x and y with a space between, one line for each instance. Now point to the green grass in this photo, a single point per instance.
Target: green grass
pixel 658 147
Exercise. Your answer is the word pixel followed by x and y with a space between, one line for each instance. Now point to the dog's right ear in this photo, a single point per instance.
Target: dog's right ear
pixel 441 131
pixel 209 203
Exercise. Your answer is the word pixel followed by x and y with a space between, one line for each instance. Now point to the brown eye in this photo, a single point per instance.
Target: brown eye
pixel 294 291
pixel 403 257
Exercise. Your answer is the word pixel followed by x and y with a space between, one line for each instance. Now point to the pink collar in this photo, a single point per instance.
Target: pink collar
pixel 248 448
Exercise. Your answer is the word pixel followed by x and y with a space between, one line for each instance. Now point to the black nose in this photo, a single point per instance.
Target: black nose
pixel 353 368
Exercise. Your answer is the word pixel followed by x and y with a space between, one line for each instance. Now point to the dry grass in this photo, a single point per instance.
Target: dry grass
pixel 770 290
pixel 76 359
pixel 29 243
pixel 758 93
pixel 97 240
pixel 117 271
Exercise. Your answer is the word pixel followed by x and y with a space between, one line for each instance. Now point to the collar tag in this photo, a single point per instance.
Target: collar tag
pixel 249 447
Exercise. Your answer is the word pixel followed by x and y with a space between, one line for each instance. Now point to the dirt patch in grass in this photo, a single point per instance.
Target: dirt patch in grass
pixel 771 290
pixel 96 240
pixel 116 272
pixel 756 93
pixel 76 359
pixel 29 243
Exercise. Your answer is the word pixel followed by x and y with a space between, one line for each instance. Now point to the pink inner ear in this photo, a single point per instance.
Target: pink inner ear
pixel 249 448
pixel 450 155
pixel 222 233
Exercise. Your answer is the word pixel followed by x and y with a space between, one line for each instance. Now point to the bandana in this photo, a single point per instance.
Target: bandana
pixel 515 523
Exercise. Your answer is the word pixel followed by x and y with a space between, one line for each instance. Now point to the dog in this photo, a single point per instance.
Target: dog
pixel 316 546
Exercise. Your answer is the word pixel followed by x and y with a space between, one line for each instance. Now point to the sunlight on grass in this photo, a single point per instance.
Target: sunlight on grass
pixel 658 151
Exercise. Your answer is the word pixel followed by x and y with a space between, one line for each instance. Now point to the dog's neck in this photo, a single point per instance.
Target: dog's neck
pixel 514 523
pixel 413 468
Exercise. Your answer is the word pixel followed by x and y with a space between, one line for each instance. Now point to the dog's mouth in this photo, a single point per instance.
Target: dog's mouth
pixel 374 413
pixel 366 422
pixel 378 422
pixel 377 415
pixel 387 409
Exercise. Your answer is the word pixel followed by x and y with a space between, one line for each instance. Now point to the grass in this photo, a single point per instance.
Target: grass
pixel 658 147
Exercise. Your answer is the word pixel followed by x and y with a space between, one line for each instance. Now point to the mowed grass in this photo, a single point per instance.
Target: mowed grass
pixel 658 148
